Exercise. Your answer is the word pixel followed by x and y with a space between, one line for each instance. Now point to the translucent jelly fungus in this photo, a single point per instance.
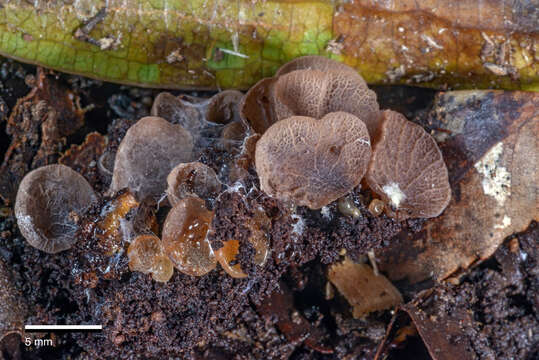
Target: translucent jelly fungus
pixel 259 225
pixel 309 86
pixel 347 207
pixel 313 162
pixel 48 203
pixel 407 169
pixel 146 254
pixel 149 151
pixel 376 207
pixel 185 237
pixel 111 225
pixel 192 179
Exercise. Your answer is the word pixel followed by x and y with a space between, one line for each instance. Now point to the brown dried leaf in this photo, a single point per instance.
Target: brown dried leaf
pixel 442 335
pixel 364 290
pixel 489 141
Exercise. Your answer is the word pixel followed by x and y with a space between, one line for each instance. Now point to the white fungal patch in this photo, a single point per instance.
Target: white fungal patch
pixel 299 226
pixel 496 179
pixel 326 213
pixel 394 193
pixel 506 221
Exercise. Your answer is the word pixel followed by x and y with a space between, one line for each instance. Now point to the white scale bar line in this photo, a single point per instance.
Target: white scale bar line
pixel 63 327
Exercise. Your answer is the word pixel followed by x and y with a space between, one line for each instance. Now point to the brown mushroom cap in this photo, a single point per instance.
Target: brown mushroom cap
pixel 407 169
pixel 313 162
pixel 319 86
pixel 185 237
pixel 48 201
pixel 314 62
pixel 315 93
pixel 149 151
pixel 196 114
pixel 192 179
pixel 256 107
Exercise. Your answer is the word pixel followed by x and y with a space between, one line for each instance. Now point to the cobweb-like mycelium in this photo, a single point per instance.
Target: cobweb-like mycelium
pixel 307 132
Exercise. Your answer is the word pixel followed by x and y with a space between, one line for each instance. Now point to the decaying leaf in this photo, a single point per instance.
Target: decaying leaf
pixel 442 335
pixel 234 43
pixel 364 290
pixel 280 306
pixel 38 125
pixel 489 142
pixel 84 158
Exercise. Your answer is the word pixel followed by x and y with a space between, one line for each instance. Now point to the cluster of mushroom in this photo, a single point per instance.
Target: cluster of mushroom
pixel 318 119
pixel 155 157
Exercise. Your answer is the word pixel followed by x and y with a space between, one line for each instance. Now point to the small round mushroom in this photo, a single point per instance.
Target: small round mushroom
pixel 197 115
pixel 146 254
pixel 315 93
pixel 48 203
pixel 407 169
pixel 313 162
pixel 185 237
pixel 192 179
pixel 149 151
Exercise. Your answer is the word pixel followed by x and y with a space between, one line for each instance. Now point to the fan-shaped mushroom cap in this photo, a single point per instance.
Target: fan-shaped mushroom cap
pixel 149 151
pixel 314 62
pixel 185 237
pixel 407 169
pixel 192 179
pixel 315 93
pixel 48 201
pixel 313 162
pixel 309 86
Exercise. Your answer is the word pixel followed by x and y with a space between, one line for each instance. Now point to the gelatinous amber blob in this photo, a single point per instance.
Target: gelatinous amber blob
pixel 185 237
pixel 162 269
pixel 146 254
pixel 228 253
pixel 111 223
pixel 142 252
pixel 376 207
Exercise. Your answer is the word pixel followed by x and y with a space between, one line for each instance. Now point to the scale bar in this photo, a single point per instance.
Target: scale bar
pixel 63 327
